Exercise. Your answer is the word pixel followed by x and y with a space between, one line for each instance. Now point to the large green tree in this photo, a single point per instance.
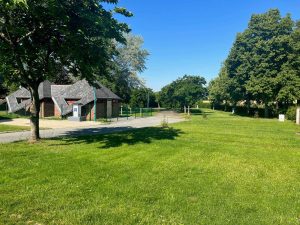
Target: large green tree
pixel 219 88
pixel 141 97
pixel 260 63
pixel 128 64
pixel 289 77
pixel 270 34
pixel 39 37
pixel 185 91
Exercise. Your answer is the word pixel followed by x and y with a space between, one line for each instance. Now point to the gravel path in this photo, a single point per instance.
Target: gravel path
pixel 117 126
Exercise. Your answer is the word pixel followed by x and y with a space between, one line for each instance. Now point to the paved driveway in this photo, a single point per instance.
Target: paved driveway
pixel 92 128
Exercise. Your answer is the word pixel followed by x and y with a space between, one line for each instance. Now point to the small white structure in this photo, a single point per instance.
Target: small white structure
pixel 76 113
pixel 298 116
pixel 281 117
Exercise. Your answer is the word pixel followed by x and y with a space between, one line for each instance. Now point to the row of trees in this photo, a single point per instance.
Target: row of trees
pixel 263 64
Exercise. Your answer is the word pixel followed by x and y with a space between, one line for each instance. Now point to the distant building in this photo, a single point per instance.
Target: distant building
pixel 57 100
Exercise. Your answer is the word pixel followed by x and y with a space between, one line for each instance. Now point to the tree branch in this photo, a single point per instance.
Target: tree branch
pixel 28 34
pixel 3 37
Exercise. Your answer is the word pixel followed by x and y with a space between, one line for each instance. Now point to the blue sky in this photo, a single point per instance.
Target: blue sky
pixel 193 36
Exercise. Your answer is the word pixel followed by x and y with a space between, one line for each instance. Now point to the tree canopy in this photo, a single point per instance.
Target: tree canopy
pixel 140 97
pixel 129 61
pixel 185 91
pixel 263 64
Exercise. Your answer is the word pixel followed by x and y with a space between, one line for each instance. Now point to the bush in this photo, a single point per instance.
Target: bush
pixel 204 105
pixel 3 107
pixel 196 111
pixel 164 123
pixel 291 113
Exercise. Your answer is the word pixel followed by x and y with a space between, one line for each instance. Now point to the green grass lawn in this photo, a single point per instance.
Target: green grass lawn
pixel 220 170
pixel 9 128
pixel 6 116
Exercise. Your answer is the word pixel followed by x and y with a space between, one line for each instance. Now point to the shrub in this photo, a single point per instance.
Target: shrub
pixel 164 123
pixel 204 105
pixel 196 111
pixel 291 113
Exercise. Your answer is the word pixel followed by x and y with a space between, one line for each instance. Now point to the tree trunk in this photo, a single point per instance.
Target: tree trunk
pixel 248 104
pixel 34 114
pixel 234 108
pixel 266 110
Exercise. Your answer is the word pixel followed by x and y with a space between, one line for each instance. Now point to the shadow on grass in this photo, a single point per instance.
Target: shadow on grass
pixel 201 112
pixel 115 137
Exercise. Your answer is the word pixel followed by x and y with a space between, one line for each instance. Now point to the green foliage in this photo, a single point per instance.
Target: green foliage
pixel 221 171
pixel 164 123
pixel 291 113
pixel 185 91
pixel 38 40
pixel 128 63
pixel 3 89
pixel 140 96
pixel 218 88
pixel 263 64
pixel 205 105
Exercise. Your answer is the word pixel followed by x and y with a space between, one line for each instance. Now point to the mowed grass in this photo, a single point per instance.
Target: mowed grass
pixel 10 128
pixel 220 170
